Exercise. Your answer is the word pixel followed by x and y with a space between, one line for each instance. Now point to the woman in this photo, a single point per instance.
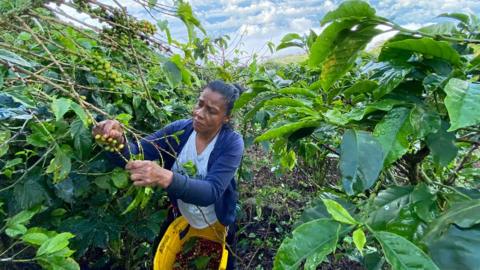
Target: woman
pixel 207 141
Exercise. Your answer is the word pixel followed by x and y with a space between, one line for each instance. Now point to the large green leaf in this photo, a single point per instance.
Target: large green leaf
pixel 61 165
pixel 298 91
pixel 30 191
pixel 342 57
pixel 326 41
pixel 360 87
pixel 82 139
pixel 428 46
pixel 388 78
pixel 250 95
pixel 310 242
pixel 16 224
pixel 387 206
pixel 288 128
pixel 442 145
pixel 60 107
pixel 463 214
pixel 13 58
pixel 424 121
pixel 359 113
pixel 361 161
pixel 462 103
pixel 402 254
pixel 459 16
pixel 457 248
pixel 445 28
pixel 286 101
pixel 394 133
pixel 173 74
pixel 352 9
pixel 54 244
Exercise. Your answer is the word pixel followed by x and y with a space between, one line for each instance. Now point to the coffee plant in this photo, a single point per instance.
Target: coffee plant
pixel 405 125
pixel 63 206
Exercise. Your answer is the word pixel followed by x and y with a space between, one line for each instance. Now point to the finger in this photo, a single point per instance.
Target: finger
pixel 140 184
pixel 136 177
pixel 115 134
pixel 97 129
pixel 107 127
pixel 134 164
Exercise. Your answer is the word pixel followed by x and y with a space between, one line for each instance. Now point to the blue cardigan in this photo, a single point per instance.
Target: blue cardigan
pixel 218 187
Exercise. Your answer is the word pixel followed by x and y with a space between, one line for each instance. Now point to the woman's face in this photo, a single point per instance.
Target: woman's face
pixel 210 112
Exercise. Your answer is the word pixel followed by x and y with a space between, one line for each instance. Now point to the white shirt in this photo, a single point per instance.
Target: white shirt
pixel 192 212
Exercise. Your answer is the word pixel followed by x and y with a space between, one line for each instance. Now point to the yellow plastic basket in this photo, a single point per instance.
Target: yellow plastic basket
pixel 177 234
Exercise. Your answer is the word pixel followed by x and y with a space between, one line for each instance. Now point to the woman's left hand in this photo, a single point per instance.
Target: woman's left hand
pixel 148 173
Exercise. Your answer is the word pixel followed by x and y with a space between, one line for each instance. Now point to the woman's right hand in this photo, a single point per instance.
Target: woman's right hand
pixel 109 129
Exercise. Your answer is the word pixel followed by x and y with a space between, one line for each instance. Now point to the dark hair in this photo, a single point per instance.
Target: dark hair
pixel 230 92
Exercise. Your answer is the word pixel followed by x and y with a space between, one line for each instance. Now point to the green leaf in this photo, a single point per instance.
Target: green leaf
pixel 286 101
pixel 14 59
pixel 361 161
pixel 124 118
pixel 359 113
pixel 459 16
pixel 120 178
pixel 364 86
pixel 390 77
pixel 185 13
pixel 387 205
pixel 445 28
pixel 342 57
pixel 173 73
pixel 288 128
pixel 80 113
pixel 318 210
pixel 249 96
pixel 428 46
pixel 456 248
pixel 60 166
pixel 424 121
pixel 353 9
pixel 463 214
pixel 310 242
pixel 403 254
pixel 52 245
pixel 30 192
pixel 327 40
pixel 394 133
pixel 338 212
pixel 60 107
pixel 163 25
pixel 297 91
pixel 442 145
pixel 5 135
pixel 359 239
pixel 35 238
pixel 16 224
pixel 462 103
pixel 12 163
pixel 284 45
pixel 82 139
pixel 291 36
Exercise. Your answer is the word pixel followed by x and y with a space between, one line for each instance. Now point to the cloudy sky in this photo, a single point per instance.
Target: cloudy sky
pixel 262 21
pixel 258 22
